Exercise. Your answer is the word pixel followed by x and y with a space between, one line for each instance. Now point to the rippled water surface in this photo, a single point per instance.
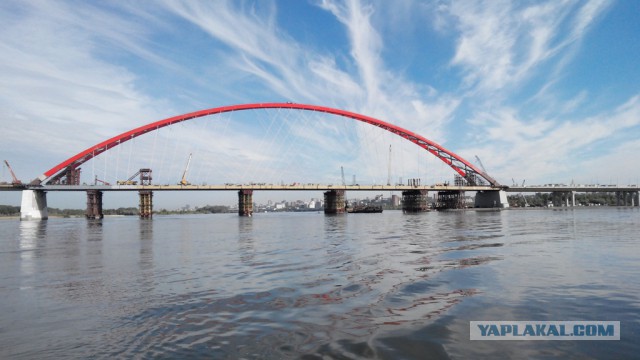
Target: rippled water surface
pixel 306 285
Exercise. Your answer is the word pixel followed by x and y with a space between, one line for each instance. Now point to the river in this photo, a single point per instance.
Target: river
pixel 310 286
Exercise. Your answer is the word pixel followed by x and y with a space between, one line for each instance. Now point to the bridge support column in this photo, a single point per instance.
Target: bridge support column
pixel 245 202
pixel 414 201
pixel 334 202
pixel 34 205
pixel 573 198
pixel 94 205
pixel 635 199
pixel 146 204
pixel 450 200
pixel 491 199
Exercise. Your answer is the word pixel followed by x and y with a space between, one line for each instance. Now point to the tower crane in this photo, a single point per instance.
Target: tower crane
pixel 184 174
pixel 14 180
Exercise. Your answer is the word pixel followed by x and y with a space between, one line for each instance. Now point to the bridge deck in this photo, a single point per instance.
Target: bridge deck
pixel 267 187
pixel 321 187
pixel 569 188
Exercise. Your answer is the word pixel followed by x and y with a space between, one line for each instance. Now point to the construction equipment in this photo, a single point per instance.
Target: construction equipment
pixel 129 181
pixel 344 183
pixel 480 163
pixel 145 178
pixel 96 181
pixel 184 174
pixel 14 180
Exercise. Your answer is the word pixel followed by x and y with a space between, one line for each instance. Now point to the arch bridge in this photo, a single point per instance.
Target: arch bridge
pixel 67 172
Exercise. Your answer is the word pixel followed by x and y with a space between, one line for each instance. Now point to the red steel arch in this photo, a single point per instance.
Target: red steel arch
pixel 457 163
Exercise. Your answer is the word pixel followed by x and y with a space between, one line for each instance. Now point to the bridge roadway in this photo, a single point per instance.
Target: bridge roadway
pixel 264 187
pixel 325 187
pixel 571 188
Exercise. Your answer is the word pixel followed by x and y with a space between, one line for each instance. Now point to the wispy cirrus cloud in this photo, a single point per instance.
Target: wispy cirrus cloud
pixel 502 43
pixel 552 149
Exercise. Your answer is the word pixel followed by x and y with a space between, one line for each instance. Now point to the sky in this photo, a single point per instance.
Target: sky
pixel 540 91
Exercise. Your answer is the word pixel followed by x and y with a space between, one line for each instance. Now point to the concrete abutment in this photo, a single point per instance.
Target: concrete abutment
pixel 34 205
pixel 491 199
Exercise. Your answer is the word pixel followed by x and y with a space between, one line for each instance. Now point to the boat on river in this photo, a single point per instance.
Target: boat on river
pixel 364 209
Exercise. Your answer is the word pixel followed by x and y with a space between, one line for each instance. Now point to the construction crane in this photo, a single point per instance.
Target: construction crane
pixel 344 183
pixel 14 180
pixel 480 163
pixel 145 178
pixel 130 180
pixel 184 174
pixel 96 181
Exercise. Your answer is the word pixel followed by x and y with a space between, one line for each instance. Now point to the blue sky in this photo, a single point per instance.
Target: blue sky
pixel 547 91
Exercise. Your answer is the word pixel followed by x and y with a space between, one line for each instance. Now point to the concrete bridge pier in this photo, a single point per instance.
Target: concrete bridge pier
pixel 245 202
pixel 621 198
pixel 491 199
pixel 334 202
pixel 627 198
pixel 450 200
pixel 561 198
pixel 414 201
pixel 34 205
pixel 146 204
pixel 94 205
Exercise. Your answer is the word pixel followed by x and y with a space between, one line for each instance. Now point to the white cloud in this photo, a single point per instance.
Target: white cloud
pixel 546 149
pixel 58 97
pixel 502 43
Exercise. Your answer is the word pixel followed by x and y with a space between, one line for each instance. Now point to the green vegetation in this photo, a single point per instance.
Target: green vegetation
pixel 208 209
pixel 8 210
pixel 582 199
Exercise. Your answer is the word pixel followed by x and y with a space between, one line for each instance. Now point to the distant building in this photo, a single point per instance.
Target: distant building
pixel 395 200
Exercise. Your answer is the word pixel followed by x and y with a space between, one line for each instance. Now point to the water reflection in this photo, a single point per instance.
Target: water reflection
pixel 309 286
pixel 246 246
pixel 32 237
pixel 145 229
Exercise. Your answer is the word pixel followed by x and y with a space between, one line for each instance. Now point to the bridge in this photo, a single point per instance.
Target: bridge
pixel 65 176
pixel 565 195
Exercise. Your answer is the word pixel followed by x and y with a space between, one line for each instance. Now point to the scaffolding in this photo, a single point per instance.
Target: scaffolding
pixel 453 199
pixel 146 204
pixel 334 202
pixel 414 201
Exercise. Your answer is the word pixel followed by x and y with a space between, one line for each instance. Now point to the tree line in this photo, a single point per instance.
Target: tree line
pixel 9 210
pixel 584 199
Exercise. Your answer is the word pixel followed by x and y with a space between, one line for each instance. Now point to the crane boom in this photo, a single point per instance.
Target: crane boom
pixel 480 163
pixel 14 180
pixel 184 174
